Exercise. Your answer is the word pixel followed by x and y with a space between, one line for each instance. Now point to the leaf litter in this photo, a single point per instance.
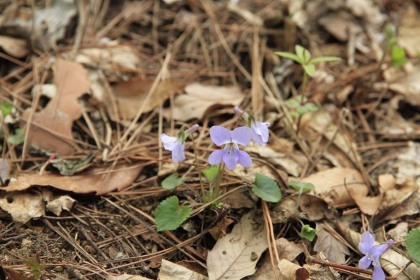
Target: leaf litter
pixel 76 92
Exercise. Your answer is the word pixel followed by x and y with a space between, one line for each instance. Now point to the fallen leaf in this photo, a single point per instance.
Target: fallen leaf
pixel 410 207
pixel 399 232
pixel 126 276
pixel 97 180
pixel 409 31
pixel 407 85
pixel 314 207
pixel 386 182
pixel 51 128
pixel 173 271
pixel 335 250
pixel 13 46
pixel 238 200
pixel 321 272
pixel 111 56
pixel 288 250
pixel 408 165
pixel 235 255
pixel 219 229
pixel 315 124
pixel 131 95
pixel 199 99
pixel 276 158
pixel 332 185
pixel 285 210
pixel 59 204
pixel 23 206
pixel 292 271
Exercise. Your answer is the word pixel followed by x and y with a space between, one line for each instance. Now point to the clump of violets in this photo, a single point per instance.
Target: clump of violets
pixel 177 144
pixel 259 129
pixel 373 254
pixel 231 155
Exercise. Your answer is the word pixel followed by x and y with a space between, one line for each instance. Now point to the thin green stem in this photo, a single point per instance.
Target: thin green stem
pixel 218 181
pixel 198 168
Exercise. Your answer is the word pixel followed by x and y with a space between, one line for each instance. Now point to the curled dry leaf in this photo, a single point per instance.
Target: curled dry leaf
pixel 198 99
pixel 59 204
pixel 23 206
pixel 173 271
pixel 13 46
pixel 96 180
pixel 291 270
pixel 333 185
pixel 335 250
pixel 235 255
pixel 51 128
pixel 131 95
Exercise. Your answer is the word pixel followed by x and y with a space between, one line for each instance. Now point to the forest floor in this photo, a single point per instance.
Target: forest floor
pixel 89 190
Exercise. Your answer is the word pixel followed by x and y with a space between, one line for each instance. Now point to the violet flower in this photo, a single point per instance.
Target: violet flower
pixel 177 144
pixel 259 129
pixel 373 254
pixel 230 154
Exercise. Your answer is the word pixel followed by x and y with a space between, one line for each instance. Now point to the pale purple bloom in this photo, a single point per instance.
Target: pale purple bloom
pixel 177 144
pixel 230 154
pixel 259 129
pixel 373 254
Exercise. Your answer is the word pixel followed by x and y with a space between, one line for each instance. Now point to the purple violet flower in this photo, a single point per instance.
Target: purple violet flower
pixel 177 144
pixel 230 154
pixel 259 129
pixel 373 254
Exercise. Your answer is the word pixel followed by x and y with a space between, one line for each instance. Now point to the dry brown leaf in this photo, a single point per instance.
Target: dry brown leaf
pixel 386 182
pixel 410 207
pixel 110 57
pixel 314 207
pixel 23 206
pixel 398 198
pixel 51 128
pixel 292 271
pixel 97 180
pixel 320 123
pixel 126 276
pixel 321 272
pixel 198 99
pixel 239 199
pixel 235 255
pixel 409 31
pixel 285 210
pixel 130 96
pixel 13 46
pixel 367 204
pixel 278 159
pixel 288 250
pixel 173 271
pixel 332 185
pixel 59 204
pixel 408 86
pixel 219 229
pixel 408 165
pixel 399 232
pixel 335 250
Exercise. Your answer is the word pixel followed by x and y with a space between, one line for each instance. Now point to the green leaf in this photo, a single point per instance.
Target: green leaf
pixel 292 103
pixel 309 69
pixel 35 266
pixel 303 54
pixel 266 188
pixel 301 186
pixel 172 181
pixel 170 215
pixel 5 108
pixel 307 232
pixel 17 138
pixel 211 173
pixel 412 243
pixel 398 56
pixel 289 55
pixel 324 59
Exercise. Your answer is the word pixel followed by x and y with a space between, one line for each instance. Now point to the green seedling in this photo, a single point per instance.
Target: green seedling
pixel 397 53
pixel 35 266
pixel 17 138
pixel 308 232
pixel 299 106
pixel 5 108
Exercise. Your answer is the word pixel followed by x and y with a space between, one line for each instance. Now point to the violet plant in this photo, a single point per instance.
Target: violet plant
pixel 169 214
pixel 372 254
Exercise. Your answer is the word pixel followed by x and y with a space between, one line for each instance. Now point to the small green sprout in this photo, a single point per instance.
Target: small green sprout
pixel 304 58
pixel 397 53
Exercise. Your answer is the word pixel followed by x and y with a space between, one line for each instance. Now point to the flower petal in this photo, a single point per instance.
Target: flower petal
pixel 244 159
pixel 169 142
pixel 377 250
pixel 220 135
pixel 242 135
pixel 366 242
pixel 378 273
pixel 364 262
pixel 231 157
pixel 257 139
pixel 178 153
pixel 262 130
pixel 216 157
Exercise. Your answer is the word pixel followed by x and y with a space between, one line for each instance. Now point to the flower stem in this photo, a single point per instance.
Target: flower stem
pixel 197 166
pixel 218 181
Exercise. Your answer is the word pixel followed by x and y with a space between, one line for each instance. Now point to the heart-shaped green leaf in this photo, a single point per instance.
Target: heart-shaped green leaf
pixel 172 181
pixel 170 215
pixel 266 188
